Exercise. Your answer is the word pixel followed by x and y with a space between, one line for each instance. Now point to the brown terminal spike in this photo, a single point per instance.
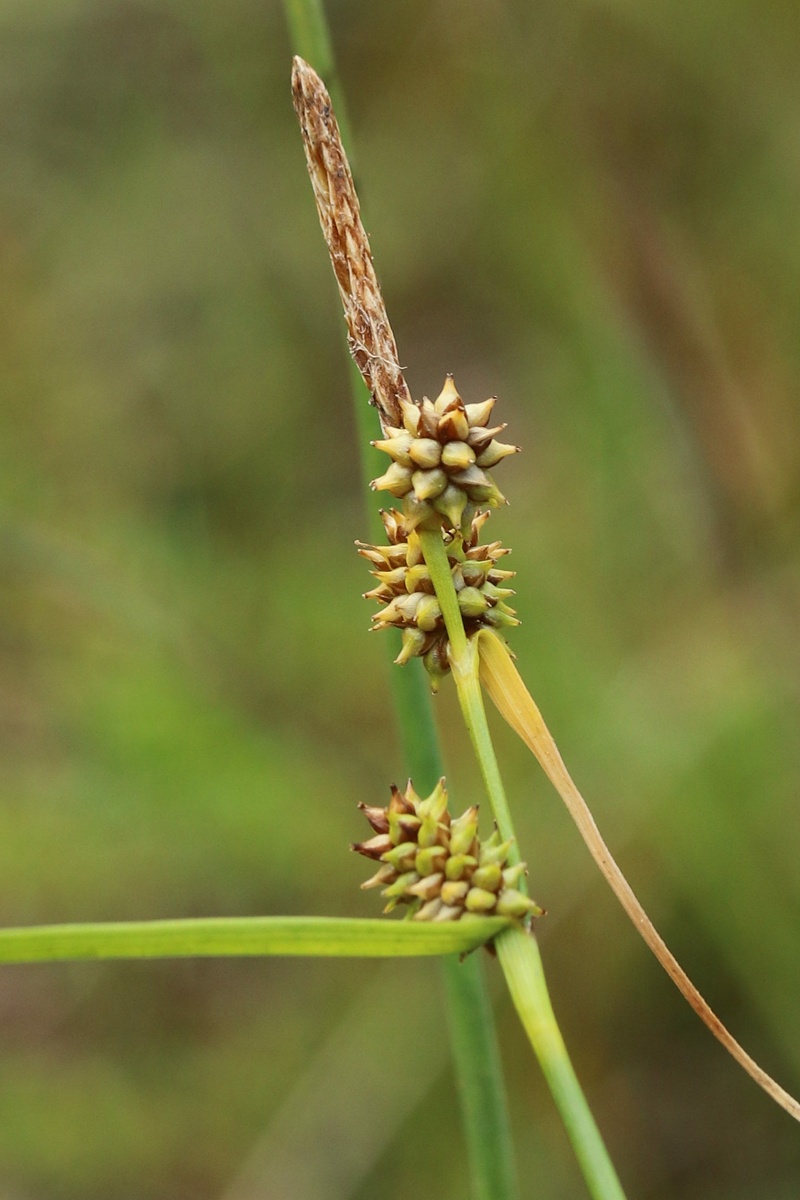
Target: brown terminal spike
pixel 371 340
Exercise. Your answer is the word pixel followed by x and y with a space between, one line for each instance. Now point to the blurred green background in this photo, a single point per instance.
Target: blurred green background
pixel 589 207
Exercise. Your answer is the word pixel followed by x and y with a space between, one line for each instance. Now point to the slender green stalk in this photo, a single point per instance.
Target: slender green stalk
pixel 435 556
pixel 207 937
pixel 522 965
pixel 471 700
pixel 479 1076
pixel 419 742
pixel 517 950
pixel 473 1036
pixel 476 1053
pixel 464 663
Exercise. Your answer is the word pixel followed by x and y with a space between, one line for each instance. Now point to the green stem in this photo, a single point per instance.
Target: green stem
pixel 211 937
pixel 519 957
pixel 419 743
pixel 437 562
pixel 464 663
pixel 476 1054
pixel 479 1075
pixel 517 950
pixel 473 1037
pixel 465 673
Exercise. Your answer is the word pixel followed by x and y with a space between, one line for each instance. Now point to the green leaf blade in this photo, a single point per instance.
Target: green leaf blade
pixel 209 937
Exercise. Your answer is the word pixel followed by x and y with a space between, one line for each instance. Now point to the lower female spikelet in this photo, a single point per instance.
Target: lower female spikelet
pixel 437 866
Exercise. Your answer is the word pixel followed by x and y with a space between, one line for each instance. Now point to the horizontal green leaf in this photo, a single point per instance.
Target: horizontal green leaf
pixel 209 937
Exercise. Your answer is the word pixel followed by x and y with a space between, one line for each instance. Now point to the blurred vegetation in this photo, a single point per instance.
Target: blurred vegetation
pixel 589 207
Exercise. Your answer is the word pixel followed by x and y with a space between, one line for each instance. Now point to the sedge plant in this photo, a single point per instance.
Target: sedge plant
pixel 444 589
pixel 440 580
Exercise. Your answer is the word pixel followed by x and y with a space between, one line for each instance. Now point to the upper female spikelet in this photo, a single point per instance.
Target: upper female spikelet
pixel 441 457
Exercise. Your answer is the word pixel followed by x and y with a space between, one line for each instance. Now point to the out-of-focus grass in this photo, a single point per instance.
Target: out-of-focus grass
pixel 590 208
